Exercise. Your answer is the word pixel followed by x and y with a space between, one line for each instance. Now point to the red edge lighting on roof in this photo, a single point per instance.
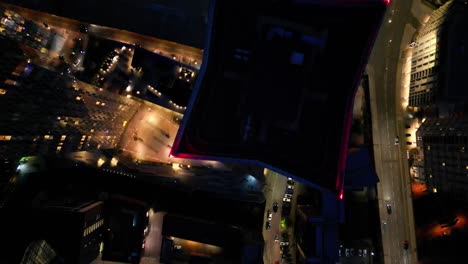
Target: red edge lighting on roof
pixel 341 194
pixel 387 2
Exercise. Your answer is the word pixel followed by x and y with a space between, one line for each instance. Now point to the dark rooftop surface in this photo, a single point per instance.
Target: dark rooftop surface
pixel 276 87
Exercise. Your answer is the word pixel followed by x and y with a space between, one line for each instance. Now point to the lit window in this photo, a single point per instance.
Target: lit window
pixel 5 137
pixel 10 82
pixel 3 91
pixel 63 137
pixel 59 148
pixel 434 190
pixel 443 163
pixel 48 137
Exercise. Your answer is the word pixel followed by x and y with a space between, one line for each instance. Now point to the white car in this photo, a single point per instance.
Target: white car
pixel 270 215
pixel 286 199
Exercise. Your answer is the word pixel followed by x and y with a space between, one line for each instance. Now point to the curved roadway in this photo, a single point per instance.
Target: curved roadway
pixel 387 106
pixel 182 53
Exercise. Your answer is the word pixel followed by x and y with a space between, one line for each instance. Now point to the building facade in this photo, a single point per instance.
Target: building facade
pixel 424 83
pixel 445 146
pixel 85 224
pixel 438 66
pixel 438 83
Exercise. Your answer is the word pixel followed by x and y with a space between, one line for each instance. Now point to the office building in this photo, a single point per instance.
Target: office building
pixel 445 145
pixel 126 219
pixel 44 112
pixel 79 223
pixel 438 84
pixel 438 66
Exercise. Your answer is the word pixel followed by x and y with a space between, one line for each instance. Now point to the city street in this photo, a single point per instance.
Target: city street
pixel 274 192
pixel 152 250
pixel 181 53
pixel 385 81
pixel 149 136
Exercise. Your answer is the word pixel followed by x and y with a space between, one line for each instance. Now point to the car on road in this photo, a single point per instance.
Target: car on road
pixel 286 199
pixel 290 196
pixel 406 244
pixel 290 181
pixel 389 208
pixel 290 186
pixel 289 191
pixel 267 225
pixel 269 215
pixel 184 166
pixel 275 207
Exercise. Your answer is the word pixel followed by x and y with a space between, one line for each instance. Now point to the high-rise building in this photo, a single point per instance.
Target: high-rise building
pixel 438 66
pixel 267 90
pixel 45 113
pixel 445 146
pixel 272 94
pixel 425 60
pixel 83 223
pixel 438 83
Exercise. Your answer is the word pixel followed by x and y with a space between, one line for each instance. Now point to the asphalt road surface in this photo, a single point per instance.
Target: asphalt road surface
pixel 384 69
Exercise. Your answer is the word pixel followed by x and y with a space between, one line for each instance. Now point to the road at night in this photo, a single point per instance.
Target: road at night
pixel 274 192
pixel 182 53
pixel 153 241
pixel 149 136
pixel 386 91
